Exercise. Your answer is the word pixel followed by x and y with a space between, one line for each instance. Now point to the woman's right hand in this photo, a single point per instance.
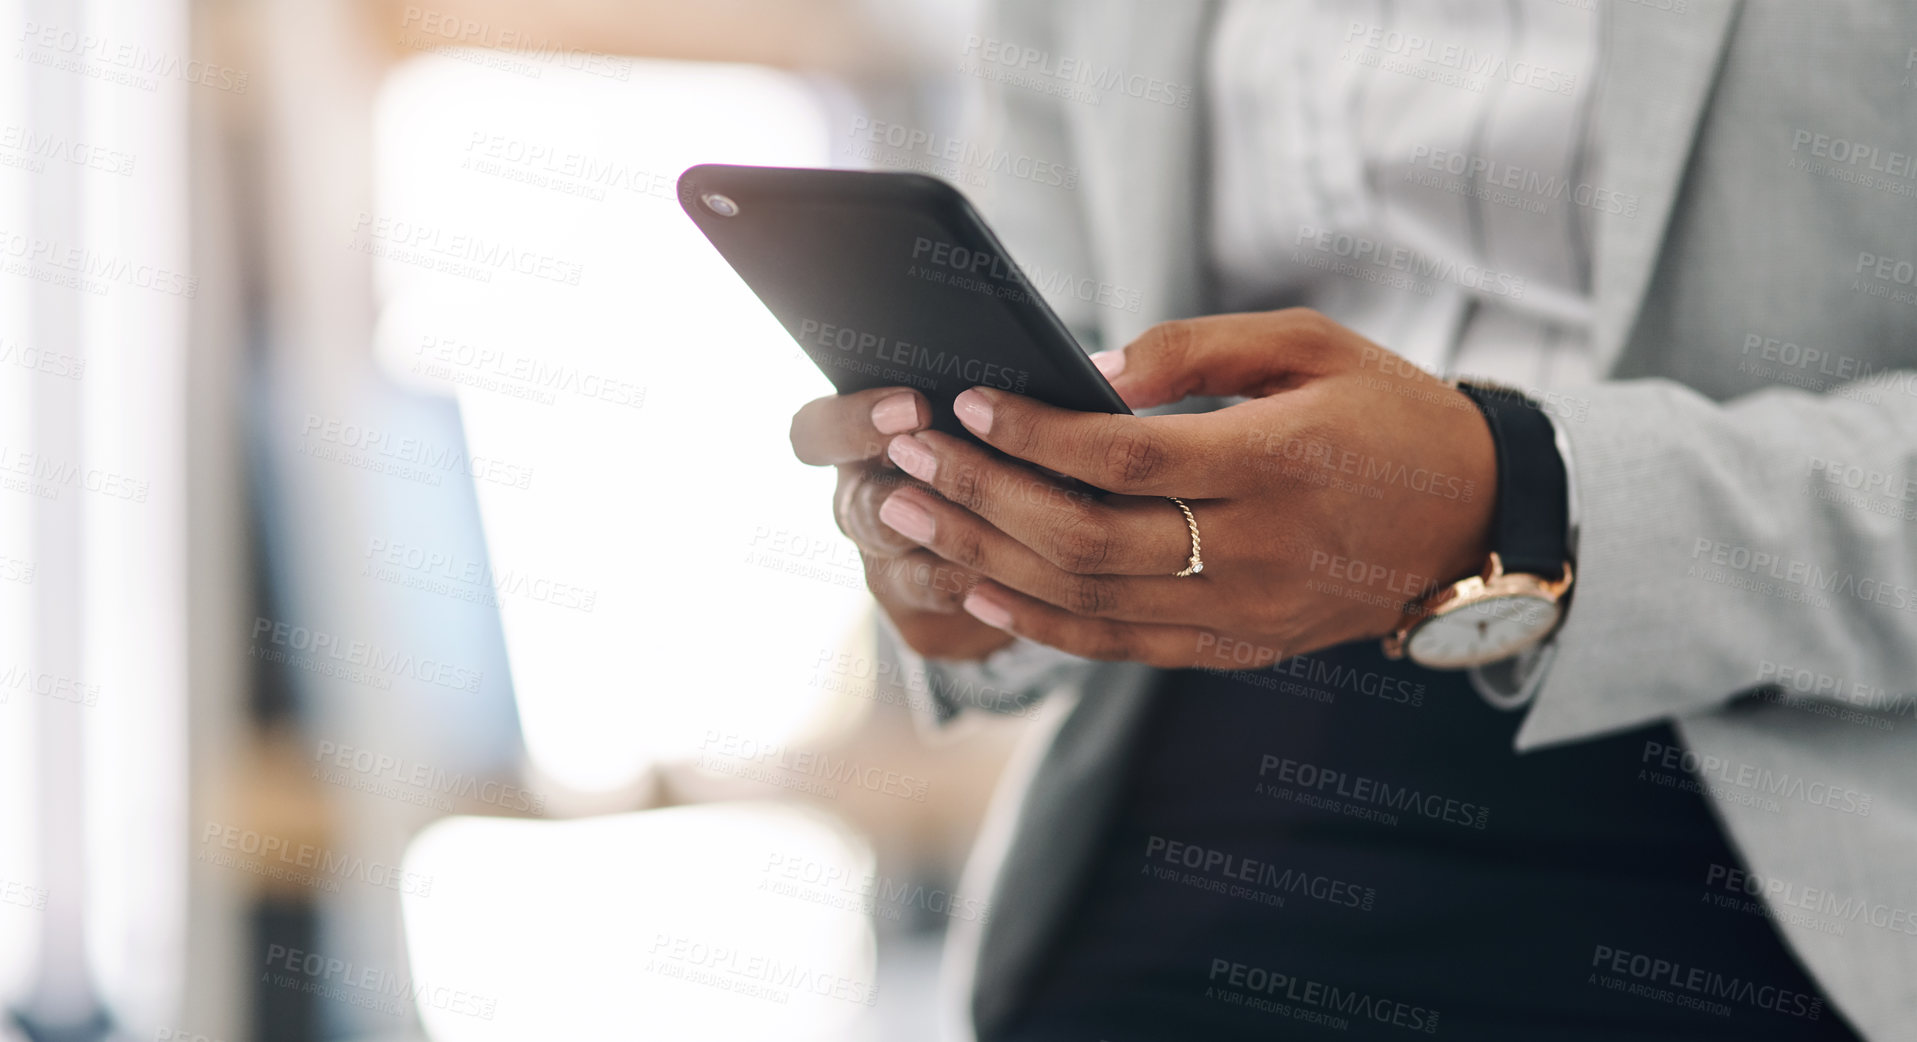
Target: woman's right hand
pixel 920 591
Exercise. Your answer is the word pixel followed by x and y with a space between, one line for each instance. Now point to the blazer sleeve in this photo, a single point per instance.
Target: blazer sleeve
pixel 1764 543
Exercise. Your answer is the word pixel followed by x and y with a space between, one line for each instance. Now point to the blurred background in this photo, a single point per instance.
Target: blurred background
pixel 412 621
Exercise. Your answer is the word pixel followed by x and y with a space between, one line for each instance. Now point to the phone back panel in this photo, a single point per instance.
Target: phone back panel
pixel 892 279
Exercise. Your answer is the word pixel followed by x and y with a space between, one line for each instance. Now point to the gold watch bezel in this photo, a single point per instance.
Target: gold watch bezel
pixel 1493 582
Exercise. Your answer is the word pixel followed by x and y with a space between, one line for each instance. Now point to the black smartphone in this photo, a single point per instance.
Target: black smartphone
pixel 891 279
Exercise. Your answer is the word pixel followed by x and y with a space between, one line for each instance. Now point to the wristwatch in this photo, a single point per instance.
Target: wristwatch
pixel 1519 597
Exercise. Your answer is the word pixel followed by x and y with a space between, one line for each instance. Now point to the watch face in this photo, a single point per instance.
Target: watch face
pixel 1484 631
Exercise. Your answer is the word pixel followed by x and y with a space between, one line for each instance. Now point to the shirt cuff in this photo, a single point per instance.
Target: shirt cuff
pixel 1008 682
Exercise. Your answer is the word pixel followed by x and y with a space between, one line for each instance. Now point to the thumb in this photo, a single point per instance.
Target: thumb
pixel 1253 355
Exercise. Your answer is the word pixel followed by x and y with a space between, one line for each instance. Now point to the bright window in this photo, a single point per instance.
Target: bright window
pixel 667 571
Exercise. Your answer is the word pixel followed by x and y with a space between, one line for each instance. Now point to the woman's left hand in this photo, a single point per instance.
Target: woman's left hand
pixel 1351 483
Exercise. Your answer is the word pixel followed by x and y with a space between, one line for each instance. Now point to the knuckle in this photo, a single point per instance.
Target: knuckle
pixel 965 485
pixel 967 549
pixel 1084 545
pixel 1013 431
pixel 1134 454
pixel 1171 342
pixel 1311 323
pixel 1092 596
pixel 907 580
pixel 883 582
pixel 944 596
pixel 1280 627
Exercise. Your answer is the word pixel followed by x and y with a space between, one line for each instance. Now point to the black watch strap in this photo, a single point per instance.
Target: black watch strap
pixel 1529 523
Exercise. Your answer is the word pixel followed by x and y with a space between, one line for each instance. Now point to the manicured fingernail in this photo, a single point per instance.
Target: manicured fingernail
pixel 974 411
pixel 913 458
pixel 1111 363
pixel 986 612
pixel 896 414
pixel 909 519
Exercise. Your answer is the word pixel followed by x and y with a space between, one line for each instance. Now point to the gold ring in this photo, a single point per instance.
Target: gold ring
pixel 1197 563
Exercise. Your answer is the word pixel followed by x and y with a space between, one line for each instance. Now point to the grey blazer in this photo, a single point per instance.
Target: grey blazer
pixel 1746 478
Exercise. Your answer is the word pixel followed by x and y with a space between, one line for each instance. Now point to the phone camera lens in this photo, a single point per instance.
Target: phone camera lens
pixel 720 204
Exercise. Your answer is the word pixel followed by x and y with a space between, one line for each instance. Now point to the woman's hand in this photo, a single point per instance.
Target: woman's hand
pixel 917 589
pixel 1351 483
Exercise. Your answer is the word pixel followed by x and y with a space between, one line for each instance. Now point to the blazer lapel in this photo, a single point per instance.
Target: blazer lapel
pixel 1068 804
pixel 1658 74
